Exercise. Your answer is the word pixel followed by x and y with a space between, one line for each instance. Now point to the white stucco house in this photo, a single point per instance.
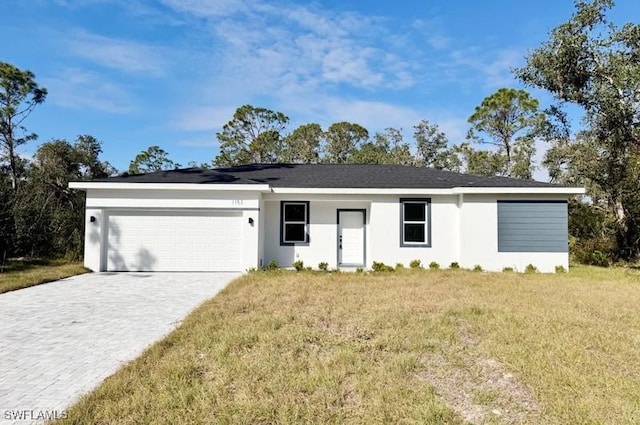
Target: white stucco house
pixel 235 219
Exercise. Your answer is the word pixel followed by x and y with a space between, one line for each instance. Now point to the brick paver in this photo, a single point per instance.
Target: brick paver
pixel 61 339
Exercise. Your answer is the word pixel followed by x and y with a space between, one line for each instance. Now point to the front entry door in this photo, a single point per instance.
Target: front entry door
pixel 351 238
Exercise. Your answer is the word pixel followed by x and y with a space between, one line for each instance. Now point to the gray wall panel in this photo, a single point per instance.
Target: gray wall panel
pixel 532 226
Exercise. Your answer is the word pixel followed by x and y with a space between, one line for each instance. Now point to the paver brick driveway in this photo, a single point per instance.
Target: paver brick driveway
pixel 61 339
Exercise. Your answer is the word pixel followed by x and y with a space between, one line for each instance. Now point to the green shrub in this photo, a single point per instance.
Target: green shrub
pixel 596 258
pixel 415 264
pixel 309 268
pixel 560 269
pixel 454 265
pixel 477 268
pixel 595 251
pixel 359 270
pixel 323 266
pixel 531 269
pixel 272 265
pixel 298 265
pixel 508 269
pixel 381 267
pixel 434 266
pixel 399 266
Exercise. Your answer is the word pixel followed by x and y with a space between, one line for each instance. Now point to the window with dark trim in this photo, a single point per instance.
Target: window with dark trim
pixel 415 222
pixel 294 222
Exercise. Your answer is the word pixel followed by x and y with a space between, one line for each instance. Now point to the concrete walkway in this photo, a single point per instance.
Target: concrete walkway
pixel 60 340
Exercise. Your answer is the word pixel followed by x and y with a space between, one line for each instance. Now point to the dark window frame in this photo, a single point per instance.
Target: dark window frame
pixel 427 223
pixel 284 242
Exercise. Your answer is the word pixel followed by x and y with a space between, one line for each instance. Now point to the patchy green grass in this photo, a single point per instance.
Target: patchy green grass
pixel 415 346
pixel 18 274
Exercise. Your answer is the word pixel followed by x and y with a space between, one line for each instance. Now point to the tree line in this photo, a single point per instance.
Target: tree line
pixel 510 120
pixel 587 61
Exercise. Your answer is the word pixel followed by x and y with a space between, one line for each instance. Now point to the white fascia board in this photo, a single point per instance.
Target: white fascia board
pixel 171 186
pixel 520 190
pixel 329 191
pixel 359 191
pixel 426 191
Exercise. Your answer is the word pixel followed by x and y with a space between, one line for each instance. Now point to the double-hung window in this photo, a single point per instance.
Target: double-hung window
pixel 415 222
pixel 294 227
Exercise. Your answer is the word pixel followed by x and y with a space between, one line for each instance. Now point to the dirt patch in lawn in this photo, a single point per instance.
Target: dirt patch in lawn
pixel 480 389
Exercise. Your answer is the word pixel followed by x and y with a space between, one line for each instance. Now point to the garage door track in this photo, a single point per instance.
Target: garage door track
pixel 60 340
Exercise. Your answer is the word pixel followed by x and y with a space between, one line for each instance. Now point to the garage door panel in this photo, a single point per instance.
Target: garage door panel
pixel 152 241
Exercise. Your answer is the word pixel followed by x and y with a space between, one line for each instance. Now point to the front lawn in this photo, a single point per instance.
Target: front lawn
pixel 18 274
pixel 424 347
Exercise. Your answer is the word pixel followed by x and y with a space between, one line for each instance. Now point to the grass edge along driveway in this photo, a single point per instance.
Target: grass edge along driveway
pixel 25 273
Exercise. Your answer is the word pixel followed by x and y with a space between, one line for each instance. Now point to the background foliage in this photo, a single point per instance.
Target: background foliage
pixel 587 61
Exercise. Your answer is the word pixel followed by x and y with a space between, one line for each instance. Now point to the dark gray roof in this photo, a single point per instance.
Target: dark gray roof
pixel 327 176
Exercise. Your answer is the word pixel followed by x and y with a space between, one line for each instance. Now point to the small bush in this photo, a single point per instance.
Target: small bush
pixel 399 266
pixel 434 266
pixel 454 265
pixel 508 270
pixel 595 251
pixel 272 265
pixel 323 266
pixel 560 269
pixel 381 267
pixel 477 268
pixel 298 265
pixel 415 264
pixel 531 269
pixel 309 268
pixel 359 270
pixel 596 258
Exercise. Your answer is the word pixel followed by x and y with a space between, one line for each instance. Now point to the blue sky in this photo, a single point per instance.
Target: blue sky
pixel 136 73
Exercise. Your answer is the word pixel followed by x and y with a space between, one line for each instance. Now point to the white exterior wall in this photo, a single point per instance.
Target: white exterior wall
pixel 167 199
pixel 479 237
pixel 94 234
pixel 323 232
pixel 382 230
pixel 385 232
pixel 463 227
pixel 101 202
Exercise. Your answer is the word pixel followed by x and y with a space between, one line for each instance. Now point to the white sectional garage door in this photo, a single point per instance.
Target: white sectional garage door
pixel 174 241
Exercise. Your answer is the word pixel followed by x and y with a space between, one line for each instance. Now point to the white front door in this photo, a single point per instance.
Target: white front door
pixel 351 238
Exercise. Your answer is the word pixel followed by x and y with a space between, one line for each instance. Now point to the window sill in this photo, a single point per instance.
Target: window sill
pixel 415 245
pixel 294 243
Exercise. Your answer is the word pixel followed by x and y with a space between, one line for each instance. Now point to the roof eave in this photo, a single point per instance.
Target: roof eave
pixel 170 186
pixel 559 190
pixel 434 191
pixel 265 188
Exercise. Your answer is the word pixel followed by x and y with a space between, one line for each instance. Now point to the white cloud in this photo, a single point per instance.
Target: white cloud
pixel 498 70
pixel 122 55
pixel 326 66
pixel 199 143
pixel 292 45
pixel 145 13
pixel 454 127
pixel 206 8
pixel 541 173
pixel 373 115
pixel 492 67
pixel 204 118
pixel 77 88
pixel 431 30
